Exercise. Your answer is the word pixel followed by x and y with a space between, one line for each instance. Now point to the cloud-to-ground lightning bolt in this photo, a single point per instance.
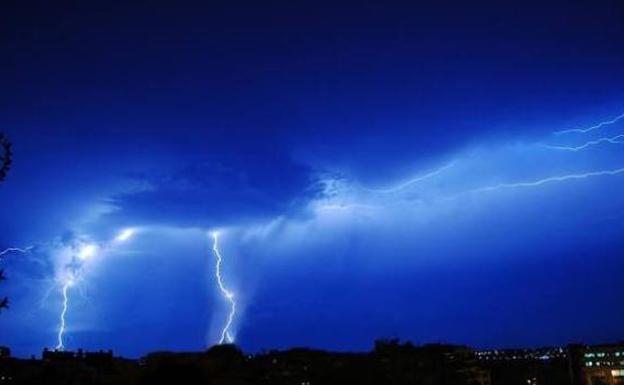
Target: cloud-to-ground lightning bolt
pixel 75 274
pixel 618 139
pixel 227 294
pixel 86 251
pixel 60 345
pixel 591 128
pixel 412 181
pixel 560 178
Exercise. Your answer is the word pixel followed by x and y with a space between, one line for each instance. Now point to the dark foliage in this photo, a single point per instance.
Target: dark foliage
pixel 6 158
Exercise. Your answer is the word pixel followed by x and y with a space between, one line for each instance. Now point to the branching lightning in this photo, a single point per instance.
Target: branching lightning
pixel 227 294
pixel 618 139
pixel 74 271
pixel 409 182
pixel 551 179
pixel 591 128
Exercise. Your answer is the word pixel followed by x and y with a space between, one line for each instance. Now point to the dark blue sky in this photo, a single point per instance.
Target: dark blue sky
pixel 374 169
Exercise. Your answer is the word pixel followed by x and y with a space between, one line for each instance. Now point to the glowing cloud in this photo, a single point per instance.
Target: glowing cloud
pixel 87 251
pixel 125 235
pixel 72 273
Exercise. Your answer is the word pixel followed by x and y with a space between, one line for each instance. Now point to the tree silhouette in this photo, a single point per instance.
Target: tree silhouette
pixel 6 158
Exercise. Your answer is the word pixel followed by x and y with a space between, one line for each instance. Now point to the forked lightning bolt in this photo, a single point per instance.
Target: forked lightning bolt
pixel 227 294
pixel 84 254
pixel 591 128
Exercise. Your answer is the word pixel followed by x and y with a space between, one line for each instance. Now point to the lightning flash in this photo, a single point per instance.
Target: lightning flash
pixel 618 139
pixel 74 271
pixel 125 235
pixel 551 179
pixel 10 250
pixel 60 345
pixel 87 252
pixel 405 184
pixel 591 128
pixel 227 294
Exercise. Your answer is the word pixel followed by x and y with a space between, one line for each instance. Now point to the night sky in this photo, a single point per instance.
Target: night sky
pixel 373 169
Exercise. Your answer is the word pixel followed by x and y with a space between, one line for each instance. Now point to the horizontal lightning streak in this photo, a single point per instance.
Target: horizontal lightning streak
pixel 550 180
pixel 618 139
pixel 227 294
pixel 412 181
pixel 594 127
pixel 15 250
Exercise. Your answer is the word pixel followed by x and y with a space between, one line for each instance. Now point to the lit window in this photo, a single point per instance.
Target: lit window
pixel 617 373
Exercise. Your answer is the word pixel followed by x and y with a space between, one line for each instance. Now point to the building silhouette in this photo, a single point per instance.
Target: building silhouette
pixel 390 362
